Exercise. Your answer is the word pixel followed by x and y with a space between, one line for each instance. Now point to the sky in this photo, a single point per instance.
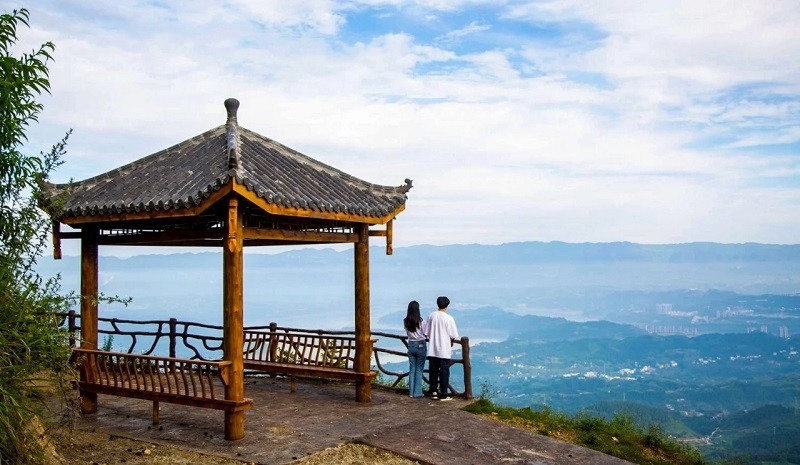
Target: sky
pixel 576 121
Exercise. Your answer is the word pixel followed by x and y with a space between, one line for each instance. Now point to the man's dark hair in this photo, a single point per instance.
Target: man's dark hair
pixel 442 302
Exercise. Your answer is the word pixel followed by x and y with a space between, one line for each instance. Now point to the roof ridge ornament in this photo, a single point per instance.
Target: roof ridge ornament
pixel 232 137
pixel 407 187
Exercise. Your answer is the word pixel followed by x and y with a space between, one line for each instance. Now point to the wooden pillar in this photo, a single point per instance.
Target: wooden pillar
pixel 89 294
pixel 362 324
pixel 389 236
pixel 233 316
pixel 56 240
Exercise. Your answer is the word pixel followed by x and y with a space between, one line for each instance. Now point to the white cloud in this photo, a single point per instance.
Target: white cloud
pixel 472 28
pixel 647 132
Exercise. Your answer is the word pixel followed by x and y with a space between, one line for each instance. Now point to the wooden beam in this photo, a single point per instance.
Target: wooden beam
pixel 267 243
pixel 233 316
pixel 89 296
pixel 303 236
pixel 178 243
pixel 362 323
pixel 172 237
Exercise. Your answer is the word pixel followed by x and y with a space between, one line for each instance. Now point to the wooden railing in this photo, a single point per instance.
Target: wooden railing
pixel 299 347
pixel 396 378
pixel 198 341
pixel 195 341
pixel 302 353
pixel 396 346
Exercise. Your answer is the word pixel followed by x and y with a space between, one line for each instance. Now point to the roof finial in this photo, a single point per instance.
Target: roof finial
pixel 232 106
pixel 232 137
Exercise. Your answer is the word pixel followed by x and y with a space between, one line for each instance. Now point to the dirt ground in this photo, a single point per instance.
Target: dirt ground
pixel 94 448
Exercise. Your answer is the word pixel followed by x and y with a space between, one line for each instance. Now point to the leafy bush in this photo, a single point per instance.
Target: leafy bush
pixel 33 346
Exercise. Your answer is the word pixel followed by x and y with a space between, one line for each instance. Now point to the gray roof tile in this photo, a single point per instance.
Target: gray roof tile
pixel 183 175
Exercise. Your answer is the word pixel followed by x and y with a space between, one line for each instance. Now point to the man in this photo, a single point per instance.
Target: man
pixel 440 328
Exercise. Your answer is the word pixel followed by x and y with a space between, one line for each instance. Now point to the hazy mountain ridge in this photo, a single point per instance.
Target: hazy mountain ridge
pixel 527 252
pixel 576 281
pixel 534 328
pixel 512 253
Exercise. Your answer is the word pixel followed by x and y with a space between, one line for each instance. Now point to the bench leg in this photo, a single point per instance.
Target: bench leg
pixel 292 384
pixel 155 412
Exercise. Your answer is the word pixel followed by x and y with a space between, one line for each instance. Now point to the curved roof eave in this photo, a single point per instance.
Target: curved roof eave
pixel 110 217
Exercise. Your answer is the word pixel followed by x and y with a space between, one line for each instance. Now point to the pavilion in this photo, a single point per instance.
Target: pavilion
pixel 231 188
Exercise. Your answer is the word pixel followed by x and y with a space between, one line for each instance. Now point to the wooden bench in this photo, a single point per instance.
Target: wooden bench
pixel 303 354
pixel 196 383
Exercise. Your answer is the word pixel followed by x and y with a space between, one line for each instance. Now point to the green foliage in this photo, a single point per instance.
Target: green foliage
pixel 487 391
pixel 619 437
pixel 287 356
pixel 380 379
pixel 33 346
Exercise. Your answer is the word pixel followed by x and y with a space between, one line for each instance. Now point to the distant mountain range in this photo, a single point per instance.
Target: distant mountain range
pixel 575 281
pixel 534 329
pixel 510 253
pixel 546 252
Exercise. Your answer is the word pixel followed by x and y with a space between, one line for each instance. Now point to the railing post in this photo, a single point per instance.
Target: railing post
pixel 272 350
pixel 173 333
pixel 467 367
pixel 71 327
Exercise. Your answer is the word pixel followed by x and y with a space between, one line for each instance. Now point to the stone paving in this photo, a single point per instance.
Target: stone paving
pixel 283 427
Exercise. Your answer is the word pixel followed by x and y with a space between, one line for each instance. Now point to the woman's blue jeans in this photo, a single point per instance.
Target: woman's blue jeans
pixel 417 351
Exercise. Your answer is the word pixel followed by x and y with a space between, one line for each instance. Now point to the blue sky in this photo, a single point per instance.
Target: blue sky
pixel 652 122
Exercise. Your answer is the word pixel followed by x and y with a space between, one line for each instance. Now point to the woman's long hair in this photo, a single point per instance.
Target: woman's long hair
pixel 413 320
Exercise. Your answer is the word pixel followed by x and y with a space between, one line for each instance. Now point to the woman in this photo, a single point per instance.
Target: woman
pixel 417 349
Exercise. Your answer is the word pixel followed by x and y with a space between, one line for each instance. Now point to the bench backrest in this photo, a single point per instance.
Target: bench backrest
pixel 147 373
pixel 300 348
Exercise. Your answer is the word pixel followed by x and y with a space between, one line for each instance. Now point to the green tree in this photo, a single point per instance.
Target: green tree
pixel 33 347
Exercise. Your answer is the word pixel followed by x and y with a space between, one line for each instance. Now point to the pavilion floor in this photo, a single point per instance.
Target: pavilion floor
pixel 283 427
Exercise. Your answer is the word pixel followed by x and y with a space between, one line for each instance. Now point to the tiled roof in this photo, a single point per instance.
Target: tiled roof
pixel 185 174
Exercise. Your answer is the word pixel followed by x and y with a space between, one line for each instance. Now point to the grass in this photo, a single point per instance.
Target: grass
pixel 619 437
